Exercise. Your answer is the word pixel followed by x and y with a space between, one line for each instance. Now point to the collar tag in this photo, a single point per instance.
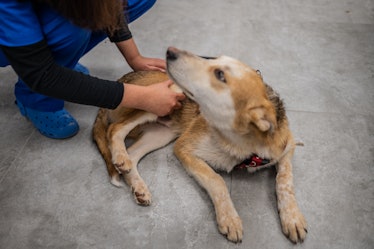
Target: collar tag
pixel 252 162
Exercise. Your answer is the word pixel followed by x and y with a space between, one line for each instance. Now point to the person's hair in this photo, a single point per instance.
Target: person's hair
pixel 92 14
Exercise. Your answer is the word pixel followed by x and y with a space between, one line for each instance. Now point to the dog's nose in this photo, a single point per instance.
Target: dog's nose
pixel 171 54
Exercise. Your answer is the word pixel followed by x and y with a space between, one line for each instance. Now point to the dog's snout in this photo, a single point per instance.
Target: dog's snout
pixel 172 53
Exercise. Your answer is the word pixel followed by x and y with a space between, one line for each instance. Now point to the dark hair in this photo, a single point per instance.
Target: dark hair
pixel 96 15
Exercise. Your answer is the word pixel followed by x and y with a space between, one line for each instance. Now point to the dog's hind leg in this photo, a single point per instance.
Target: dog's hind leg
pixel 117 133
pixel 154 136
pixel 115 176
pixel 99 135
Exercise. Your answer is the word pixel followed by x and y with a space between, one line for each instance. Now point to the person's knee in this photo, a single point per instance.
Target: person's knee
pixel 136 8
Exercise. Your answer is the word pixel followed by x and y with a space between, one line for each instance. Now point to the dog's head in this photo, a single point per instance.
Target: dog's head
pixel 231 95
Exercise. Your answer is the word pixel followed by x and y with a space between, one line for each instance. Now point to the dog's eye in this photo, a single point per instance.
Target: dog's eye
pixel 220 75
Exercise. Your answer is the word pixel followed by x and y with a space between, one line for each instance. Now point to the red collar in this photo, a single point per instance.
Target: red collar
pixel 252 162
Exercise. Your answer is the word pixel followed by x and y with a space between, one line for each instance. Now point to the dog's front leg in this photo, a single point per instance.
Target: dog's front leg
pixel 294 225
pixel 229 222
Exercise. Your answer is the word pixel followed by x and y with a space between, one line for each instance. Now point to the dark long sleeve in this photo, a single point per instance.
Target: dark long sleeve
pixel 35 65
pixel 121 34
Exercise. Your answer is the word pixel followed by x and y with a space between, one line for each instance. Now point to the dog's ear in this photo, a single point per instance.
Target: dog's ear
pixel 263 118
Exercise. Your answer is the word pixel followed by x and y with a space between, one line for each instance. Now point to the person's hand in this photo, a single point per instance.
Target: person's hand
pixel 135 60
pixel 157 98
pixel 139 63
pixel 163 100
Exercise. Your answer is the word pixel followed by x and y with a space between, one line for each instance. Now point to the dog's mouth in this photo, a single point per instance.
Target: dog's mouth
pixel 186 92
pixel 207 57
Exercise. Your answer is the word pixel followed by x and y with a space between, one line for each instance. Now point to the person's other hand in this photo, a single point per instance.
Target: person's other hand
pixel 144 63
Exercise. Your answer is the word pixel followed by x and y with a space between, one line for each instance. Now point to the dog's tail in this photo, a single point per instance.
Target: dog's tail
pixel 100 137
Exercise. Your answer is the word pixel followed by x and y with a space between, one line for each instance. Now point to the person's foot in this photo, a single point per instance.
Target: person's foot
pixel 59 124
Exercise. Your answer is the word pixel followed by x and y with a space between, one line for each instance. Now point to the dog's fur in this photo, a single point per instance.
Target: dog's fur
pixel 230 113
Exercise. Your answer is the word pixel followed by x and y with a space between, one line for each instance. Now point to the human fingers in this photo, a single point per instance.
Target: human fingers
pixel 180 96
pixel 155 64
pixel 177 105
pixel 158 63
pixel 153 68
pixel 168 83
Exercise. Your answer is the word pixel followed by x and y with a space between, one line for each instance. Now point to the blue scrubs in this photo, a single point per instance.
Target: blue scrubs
pixel 22 25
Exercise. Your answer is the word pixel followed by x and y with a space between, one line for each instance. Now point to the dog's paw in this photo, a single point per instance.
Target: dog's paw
pixel 142 195
pixel 122 163
pixel 294 225
pixel 231 226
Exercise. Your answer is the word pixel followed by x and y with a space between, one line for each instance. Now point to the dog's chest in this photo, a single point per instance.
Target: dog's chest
pixel 226 156
pixel 217 157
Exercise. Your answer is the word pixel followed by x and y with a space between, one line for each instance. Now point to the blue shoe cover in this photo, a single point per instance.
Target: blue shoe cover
pixel 59 124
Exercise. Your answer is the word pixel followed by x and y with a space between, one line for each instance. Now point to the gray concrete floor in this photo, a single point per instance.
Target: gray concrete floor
pixel 317 54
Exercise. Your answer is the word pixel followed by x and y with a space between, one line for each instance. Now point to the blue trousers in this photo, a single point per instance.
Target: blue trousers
pixel 68 44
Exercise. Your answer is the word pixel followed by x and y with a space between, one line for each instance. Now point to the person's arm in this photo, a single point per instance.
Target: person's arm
pixel 157 98
pixel 35 65
pixel 124 41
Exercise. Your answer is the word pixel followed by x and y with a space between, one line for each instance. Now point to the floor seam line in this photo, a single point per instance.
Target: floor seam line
pixel 15 158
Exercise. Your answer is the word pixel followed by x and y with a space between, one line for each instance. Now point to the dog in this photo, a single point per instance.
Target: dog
pixel 230 119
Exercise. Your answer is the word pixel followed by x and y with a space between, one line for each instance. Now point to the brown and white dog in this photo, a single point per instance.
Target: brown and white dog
pixel 230 115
